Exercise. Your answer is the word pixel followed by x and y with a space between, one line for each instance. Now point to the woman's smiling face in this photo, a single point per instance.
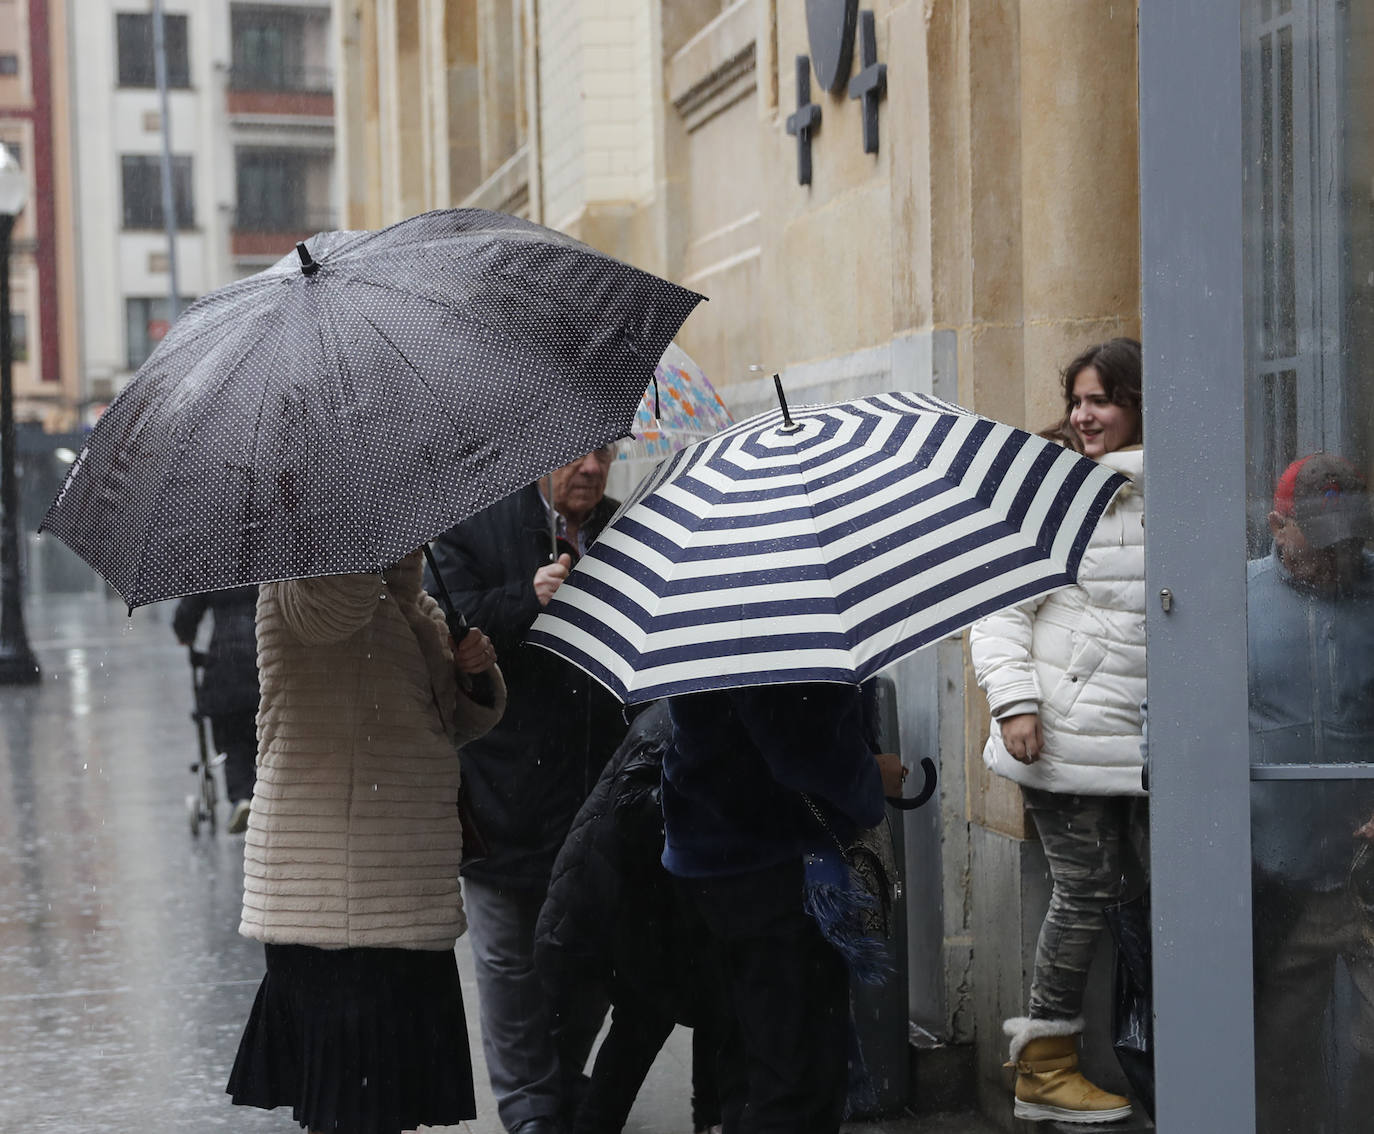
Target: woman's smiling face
pixel 1101 424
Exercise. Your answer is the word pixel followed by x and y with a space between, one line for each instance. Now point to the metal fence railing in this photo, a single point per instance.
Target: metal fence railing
pixel 283 221
pixel 293 80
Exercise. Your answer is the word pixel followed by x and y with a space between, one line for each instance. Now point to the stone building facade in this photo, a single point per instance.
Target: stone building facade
pixel 986 234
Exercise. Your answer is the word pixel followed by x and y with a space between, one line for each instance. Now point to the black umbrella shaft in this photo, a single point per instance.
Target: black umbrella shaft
pixel 782 401
pixel 457 624
pixel 482 690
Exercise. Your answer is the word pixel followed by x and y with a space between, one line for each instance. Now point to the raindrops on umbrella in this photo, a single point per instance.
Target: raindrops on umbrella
pixel 822 545
pixel 333 412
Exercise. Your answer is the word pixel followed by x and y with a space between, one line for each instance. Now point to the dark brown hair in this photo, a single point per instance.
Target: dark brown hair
pixel 1064 433
pixel 1117 362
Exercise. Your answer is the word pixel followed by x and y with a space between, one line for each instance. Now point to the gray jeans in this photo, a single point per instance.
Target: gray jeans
pixel 1098 852
pixel 534 1054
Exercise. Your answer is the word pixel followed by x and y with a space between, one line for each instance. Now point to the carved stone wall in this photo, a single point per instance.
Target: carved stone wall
pixel 994 234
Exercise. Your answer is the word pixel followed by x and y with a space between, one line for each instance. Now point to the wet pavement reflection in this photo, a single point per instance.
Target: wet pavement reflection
pixel 124 984
pixel 123 981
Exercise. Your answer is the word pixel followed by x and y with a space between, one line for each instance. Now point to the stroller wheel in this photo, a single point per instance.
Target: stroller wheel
pixel 193 812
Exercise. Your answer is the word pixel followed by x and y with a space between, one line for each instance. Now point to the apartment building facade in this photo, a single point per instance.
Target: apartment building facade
pixel 251 138
pixel 35 128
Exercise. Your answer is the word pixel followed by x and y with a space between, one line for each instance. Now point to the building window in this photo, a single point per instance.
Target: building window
pixel 19 336
pixel 147 322
pixel 142 182
pixel 269 52
pixel 271 191
pixel 9 63
pixel 135 37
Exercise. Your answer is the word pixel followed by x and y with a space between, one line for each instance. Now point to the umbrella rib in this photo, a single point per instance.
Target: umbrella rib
pixel 381 334
pixel 630 339
pixel 335 372
pixel 463 310
pixel 697 532
pixel 156 513
pixel 193 330
pixel 813 530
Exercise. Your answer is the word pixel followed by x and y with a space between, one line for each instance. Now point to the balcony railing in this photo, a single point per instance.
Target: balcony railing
pixel 284 80
pixel 306 220
pixel 295 92
pixel 256 235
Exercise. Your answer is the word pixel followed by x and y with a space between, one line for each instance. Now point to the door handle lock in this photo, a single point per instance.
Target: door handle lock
pixel 1166 599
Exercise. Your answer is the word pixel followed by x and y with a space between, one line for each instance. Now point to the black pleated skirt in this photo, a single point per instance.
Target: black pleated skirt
pixel 358 1041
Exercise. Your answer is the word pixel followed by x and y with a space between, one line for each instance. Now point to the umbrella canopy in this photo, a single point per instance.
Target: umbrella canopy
pixel 680 408
pixel 333 412
pixel 823 550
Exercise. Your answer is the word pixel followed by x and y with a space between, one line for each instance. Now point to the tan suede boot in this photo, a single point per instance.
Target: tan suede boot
pixel 1049 1086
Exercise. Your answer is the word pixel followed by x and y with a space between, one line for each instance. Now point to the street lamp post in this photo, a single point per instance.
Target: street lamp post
pixel 18 666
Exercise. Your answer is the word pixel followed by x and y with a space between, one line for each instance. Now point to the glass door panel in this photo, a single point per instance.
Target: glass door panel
pixel 1308 124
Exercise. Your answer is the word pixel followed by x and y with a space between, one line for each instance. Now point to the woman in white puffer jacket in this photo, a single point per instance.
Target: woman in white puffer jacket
pixel 1065 678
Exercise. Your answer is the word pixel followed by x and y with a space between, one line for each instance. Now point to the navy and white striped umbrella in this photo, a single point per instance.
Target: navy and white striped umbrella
pixel 824 550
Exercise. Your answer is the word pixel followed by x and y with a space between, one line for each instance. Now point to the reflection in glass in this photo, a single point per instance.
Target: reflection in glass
pixel 1310 276
pixel 1311 659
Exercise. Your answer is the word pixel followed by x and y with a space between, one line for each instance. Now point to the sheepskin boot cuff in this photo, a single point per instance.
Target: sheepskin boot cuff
pixel 1023 1029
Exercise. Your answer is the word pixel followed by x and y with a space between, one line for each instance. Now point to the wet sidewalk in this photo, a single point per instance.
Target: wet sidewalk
pixel 123 982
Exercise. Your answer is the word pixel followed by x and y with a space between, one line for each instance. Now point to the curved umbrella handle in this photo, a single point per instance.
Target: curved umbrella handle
pixel 927 788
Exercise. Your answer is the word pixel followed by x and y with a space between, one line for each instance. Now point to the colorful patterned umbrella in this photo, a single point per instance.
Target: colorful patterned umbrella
pixel 689 410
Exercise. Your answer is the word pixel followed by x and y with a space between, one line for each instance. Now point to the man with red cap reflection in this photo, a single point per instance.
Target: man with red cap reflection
pixel 1311 656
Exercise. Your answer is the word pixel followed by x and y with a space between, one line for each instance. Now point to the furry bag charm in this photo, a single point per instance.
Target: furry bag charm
pixel 850 892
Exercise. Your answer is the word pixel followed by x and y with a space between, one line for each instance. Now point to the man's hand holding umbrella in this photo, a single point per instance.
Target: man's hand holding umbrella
pixel 575 490
pixel 550 577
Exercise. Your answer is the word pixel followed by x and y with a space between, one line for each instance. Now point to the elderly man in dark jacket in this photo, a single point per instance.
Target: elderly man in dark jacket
pixel 526 780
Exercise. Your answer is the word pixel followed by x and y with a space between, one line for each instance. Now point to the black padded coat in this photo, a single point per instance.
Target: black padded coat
pixel 230 682
pixel 613 913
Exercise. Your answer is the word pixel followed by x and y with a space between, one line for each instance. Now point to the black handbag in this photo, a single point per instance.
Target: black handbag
pixel 873 865
pixel 1133 1032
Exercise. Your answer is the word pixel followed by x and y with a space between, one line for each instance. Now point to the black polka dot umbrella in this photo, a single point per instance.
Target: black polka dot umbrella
pixel 333 412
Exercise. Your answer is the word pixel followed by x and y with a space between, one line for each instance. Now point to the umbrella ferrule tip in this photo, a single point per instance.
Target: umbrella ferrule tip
pixel 308 266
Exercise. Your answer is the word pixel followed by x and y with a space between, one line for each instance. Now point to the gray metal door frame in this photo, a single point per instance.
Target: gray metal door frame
pixel 1193 334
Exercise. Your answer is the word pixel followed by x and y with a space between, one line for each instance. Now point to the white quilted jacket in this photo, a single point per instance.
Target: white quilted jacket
pixel 1077 656
pixel 354 837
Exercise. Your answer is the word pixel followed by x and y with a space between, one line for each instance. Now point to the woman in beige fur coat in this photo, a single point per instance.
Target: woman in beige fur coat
pixel 352 853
